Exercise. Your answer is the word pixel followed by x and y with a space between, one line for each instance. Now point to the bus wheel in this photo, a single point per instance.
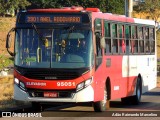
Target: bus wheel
pixel 126 100
pixel 136 99
pixel 100 106
pixel 36 106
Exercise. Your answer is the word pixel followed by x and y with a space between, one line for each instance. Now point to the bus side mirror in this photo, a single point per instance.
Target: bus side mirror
pixel 9 40
pixel 98 35
pixel 101 39
pixel 103 43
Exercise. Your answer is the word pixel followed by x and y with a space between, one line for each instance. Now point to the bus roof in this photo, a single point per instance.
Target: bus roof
pixel 96 13
pixel 65 9
pixel 144 21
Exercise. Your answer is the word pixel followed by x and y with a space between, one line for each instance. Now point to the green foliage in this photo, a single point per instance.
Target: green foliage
pixel 43 3
pixel 113 6
pixel 149 6
pixel 5 62
pixel 2 6
pixel 116 6
pixel 12 5
pixel 139 7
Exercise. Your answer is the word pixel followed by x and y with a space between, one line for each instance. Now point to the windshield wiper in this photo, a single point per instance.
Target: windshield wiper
pixel 39 36
pixel 35 28
pixel 70 30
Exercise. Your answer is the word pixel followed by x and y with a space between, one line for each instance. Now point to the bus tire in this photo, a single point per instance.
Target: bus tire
pixel 126 100
pixel 101 106
pixel 36 106
pixel 136 99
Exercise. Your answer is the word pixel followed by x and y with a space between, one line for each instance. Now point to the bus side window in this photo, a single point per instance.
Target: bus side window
pixel 115 46
pixel 122 46
pixel 108 46
pixel 147 46
pixel 127 31
pixel 141 46
pixel 98 25
pixel 140 33
pixel 151 34
pixel 98 47
pixel 134 32
pixel 152 40
pixel 114 38
pixel 127 47
pixel 146 35
pixel 152 44
pixel 134 39
pixel 134 46
pixel 107 37
pixel 121 34
pixel 128 37
pixel 98 32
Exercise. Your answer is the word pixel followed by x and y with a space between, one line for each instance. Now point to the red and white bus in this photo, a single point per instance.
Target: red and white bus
pixel 73 54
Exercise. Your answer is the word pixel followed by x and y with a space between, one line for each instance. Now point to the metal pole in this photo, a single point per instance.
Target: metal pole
pixel 130 8
pixel 126 8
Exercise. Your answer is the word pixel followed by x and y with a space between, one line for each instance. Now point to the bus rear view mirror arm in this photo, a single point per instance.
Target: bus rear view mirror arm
pixel 98 34
pixel 8 41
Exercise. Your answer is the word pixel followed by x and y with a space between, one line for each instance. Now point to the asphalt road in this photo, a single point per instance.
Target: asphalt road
pixel 150 103
pixel 149 107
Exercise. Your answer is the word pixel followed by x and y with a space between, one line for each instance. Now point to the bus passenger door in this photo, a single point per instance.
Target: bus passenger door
pixel 99 66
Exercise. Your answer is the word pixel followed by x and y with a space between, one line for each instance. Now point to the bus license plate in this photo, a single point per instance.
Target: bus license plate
pixel 51 94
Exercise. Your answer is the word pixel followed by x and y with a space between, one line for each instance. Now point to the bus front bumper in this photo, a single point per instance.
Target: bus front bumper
pixel 85 95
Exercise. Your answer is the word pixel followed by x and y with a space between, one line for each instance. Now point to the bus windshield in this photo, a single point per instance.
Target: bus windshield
pixel 53 48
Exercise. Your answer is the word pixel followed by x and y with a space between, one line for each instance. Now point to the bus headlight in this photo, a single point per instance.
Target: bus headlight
pixel 16 81
pixel 84 84
pixel 80 86
pixel 19 84
pixel 88 82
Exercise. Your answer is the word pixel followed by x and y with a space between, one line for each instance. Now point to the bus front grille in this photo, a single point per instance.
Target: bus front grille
pixel 50 75
pixel 60 94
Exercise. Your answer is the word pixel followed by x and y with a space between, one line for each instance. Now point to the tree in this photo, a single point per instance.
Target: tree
pixel 44 3
pixel 12 5
pixel 2 7
pixel 140 8
pixel 114 6
pixel 151 7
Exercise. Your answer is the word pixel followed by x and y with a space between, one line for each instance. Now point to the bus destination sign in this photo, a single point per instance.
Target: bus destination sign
pixel 52 19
